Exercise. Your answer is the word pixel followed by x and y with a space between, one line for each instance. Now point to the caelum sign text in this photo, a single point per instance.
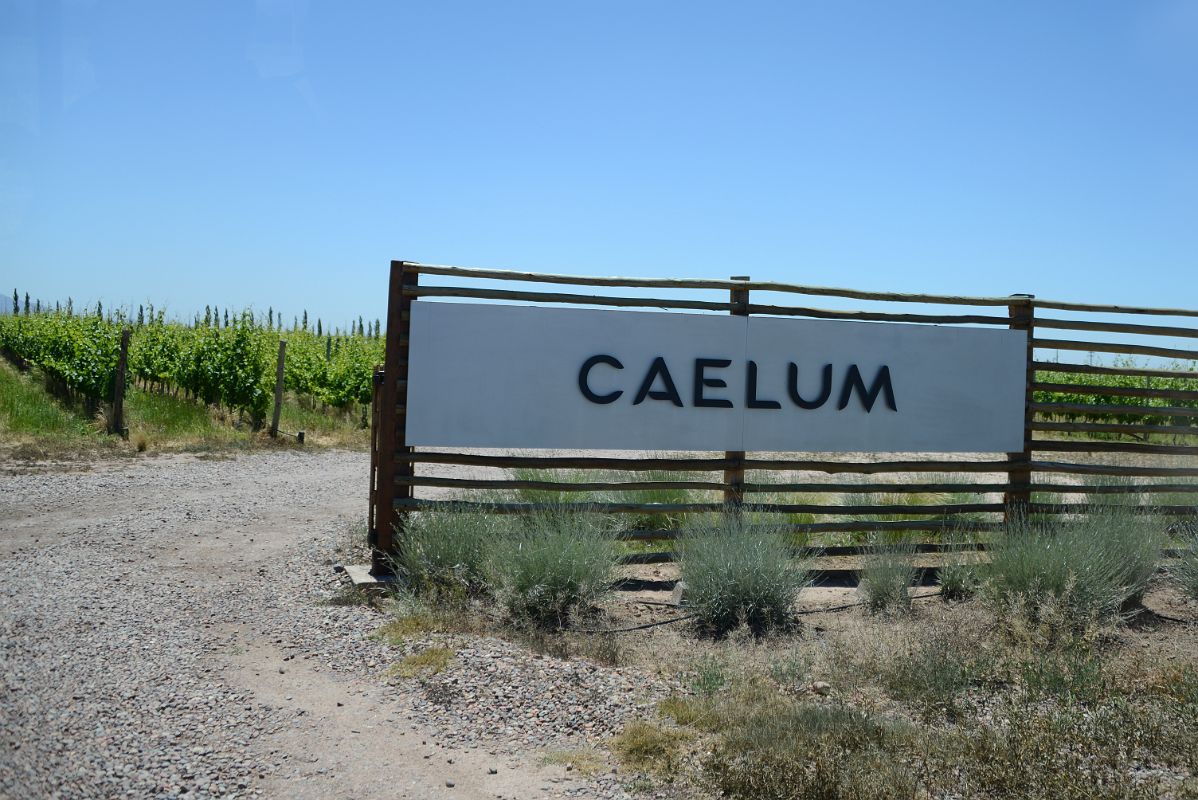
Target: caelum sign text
pixel 519 377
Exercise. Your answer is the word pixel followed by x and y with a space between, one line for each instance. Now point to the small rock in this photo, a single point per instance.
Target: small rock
pixel 449 784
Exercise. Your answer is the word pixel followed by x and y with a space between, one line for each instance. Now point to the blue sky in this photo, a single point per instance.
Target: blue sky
pixel 281 153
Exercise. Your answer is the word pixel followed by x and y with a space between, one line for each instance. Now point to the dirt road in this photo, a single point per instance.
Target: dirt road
pixel 165 631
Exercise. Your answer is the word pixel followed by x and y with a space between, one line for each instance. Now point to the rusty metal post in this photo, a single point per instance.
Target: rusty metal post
pixel 1018 496
pixel 388 522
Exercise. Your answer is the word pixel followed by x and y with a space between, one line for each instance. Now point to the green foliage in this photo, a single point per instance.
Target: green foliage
pixel 1093 567
pixel 888 574
pixel 1184 571
pixel 958 576
pixel 79 352
pixel 553 565
pixel 738 571
pixel 443 553
pixel 1087 389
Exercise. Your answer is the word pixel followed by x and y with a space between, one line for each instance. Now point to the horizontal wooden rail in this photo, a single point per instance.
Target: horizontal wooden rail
pixel 1113 447
pixel 772 286
pixel 1095 369
pixel 1060 305
pixel 1091 508
pixel 1116 391
pixel 571 299
pixel 1116 327
pixel 851 526
pixel 1115 488
pixel 560 486
pixel 1101 409
pixel 699 508
pixel 878 316
pixel 1115 347
pixel 688 283
pixel 1113 469
pixel 780 488
pixel 700 464
pixel 1114 427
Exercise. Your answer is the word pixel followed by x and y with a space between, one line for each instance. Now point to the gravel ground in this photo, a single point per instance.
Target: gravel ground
pixel 165 631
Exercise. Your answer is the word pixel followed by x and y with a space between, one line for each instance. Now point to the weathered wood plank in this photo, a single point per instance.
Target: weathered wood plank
pixel 1116 391
pixel 1054 409
pixel 1094 369
pixel 570 299
pixel 621 486
pixel 1115 347
pixel 701 464
pixel 1117 327
pixel 1114 469
pixel 1113 427
pixel 698 508
pixel 1114 447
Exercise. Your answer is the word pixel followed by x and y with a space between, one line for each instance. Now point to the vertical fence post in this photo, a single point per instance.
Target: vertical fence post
pixel 1019 471
pixel 117 424
pixel 274 420
pixel 375 405
pixel 391 417
pixel 734 474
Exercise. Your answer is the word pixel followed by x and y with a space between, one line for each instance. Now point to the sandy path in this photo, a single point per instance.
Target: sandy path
pixel 149 616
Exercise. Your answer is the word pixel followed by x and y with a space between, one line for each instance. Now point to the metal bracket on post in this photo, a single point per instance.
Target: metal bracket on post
pixel 1017 498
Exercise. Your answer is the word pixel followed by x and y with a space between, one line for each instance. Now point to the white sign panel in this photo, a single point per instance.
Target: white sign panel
pixel 528 377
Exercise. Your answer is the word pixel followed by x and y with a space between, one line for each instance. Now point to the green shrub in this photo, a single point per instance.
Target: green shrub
pixel 1184 571
pixel 958 578
pixel 443 553
pixel 888 574
pixel 551 566
pixel 778 751
pixel 739 571
pixel 1092 567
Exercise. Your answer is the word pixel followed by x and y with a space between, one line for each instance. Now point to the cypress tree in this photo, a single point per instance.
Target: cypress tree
pixel 70 307
pixel 226 317
pixel 141 316
pixel 377 328
pixel 16 303
pixel 37 306
pixel 99 307
pixel 361 329
pixel 26 303
pixel 270 318
pixel 319 332
pixel 305 319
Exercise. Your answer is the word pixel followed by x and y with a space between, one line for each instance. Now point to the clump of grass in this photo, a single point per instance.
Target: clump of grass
pixel 802 750
pixel 587 763
pixel 737 571
pixel 650 748
pixel 424 664
pixel 708 676
pixel 958 578
pixel 888 574
pixel 1093 567
pixel 444 553
pixel 1184 570
pixel 554 565
pixel 661 495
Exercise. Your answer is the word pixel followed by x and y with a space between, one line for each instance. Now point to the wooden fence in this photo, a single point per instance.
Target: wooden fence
pixel 1061 455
